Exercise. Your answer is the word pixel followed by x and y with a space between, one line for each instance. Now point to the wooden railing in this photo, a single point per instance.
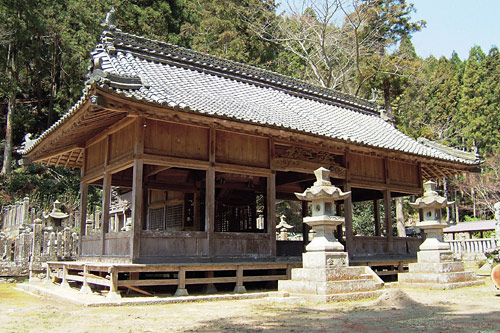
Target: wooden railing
pixel 472 245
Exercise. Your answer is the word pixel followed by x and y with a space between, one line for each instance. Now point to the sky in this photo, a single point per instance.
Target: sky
pixel 456 25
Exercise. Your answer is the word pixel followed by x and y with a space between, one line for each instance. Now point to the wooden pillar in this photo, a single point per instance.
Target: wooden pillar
pixel 181 285
pixel 137 209
pixel 85 287
pixel 137 191
pixel 113 284
pixel 376 216
pixel 349 235
pixel 106 198
pixel 271 211
pixel 305 227
pixel 210 210
pixel 84 191
pixel 388 220
pixel 239 288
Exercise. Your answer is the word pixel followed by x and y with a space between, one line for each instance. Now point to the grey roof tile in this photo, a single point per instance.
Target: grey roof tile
pixel 180 78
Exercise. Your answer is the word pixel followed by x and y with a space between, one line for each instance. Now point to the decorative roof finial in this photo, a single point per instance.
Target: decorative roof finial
pixel 109 21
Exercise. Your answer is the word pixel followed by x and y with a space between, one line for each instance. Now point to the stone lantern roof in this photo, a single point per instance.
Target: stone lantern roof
pixel 322 188
pixel 431 199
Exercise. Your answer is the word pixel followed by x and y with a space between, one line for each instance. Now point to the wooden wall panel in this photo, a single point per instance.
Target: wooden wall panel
pixel 366 167
pixel 403 173
pixel 122 142
pixel 95 155
pixel 177 140
pixel 241 149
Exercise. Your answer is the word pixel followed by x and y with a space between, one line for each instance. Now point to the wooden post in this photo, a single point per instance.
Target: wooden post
pixel 181 286
pixel 85 287
pixel 305 227
pixel 137 208
pixel 388 220
pixel 113 285
pixel 210 211
pixel 137 191
pixel 210 194
pixel 239 288
pixel 349 235
pixel 271 211
pixel 64 283
pixel 376 215
pixel 106 198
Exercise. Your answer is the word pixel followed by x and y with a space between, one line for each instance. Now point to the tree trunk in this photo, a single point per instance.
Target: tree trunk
pixel 7 153
pixel 400 219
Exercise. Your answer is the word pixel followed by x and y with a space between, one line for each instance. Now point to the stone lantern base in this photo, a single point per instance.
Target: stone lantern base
pixel 326 277
pixel 437 269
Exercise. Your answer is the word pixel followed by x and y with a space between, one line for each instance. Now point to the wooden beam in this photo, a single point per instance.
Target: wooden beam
pixel 174 162
pixel 154 170
pixel 111 129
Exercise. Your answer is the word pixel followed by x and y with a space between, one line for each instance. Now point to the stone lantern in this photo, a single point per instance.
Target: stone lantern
pixel 326 275
pixel 56 216
pixel 283 228
pixel 436 268
pixel 323 220
pixel 431 204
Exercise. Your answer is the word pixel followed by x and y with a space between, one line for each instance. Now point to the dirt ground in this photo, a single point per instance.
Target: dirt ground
pixel 474 309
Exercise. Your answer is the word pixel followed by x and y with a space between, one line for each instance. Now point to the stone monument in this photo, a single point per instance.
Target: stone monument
pixel 326 275
pixel 436 268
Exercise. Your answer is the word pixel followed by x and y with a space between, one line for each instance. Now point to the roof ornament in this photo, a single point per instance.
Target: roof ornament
pixel 109 21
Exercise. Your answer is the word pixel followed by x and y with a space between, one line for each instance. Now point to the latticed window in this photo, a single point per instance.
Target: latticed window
pixel 174 216
pixel 157 218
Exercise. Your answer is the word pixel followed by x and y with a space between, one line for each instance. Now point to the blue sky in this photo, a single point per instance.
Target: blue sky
pixel 456 25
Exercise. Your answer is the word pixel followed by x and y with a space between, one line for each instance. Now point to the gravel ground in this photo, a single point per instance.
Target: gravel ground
pixel 474 309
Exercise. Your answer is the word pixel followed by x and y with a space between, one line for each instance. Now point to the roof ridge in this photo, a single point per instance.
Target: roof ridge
pixel 465 155
pixel 115 38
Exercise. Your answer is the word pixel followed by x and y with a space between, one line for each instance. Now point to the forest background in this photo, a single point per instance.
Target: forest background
pixel 359 47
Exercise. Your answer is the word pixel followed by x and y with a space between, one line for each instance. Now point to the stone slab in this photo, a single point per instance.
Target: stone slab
pixel 431 267
pixel 339 297
pixel 329 274
pixel 441 286
pixel 325 259
pixel 73 296
pixel 326 288
pixel 434 256
pixel 443 278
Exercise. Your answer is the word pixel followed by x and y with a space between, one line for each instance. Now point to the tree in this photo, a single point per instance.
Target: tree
pixel 339 41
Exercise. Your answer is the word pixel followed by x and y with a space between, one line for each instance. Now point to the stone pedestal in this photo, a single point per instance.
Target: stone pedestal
pixel 326 277
pixel 437 270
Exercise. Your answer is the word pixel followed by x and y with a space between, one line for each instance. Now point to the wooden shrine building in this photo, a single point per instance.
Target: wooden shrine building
pixel 207 146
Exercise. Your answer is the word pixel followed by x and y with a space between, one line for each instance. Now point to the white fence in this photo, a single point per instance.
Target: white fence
pixel 465 246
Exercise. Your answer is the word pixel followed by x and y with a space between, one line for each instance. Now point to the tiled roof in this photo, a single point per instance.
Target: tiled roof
pixel 176 77
pixel 471 226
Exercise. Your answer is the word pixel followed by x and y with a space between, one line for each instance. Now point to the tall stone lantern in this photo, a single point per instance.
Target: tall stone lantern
pixel 323 220
pixel 436 268
pixel 431 204
pixel 325 275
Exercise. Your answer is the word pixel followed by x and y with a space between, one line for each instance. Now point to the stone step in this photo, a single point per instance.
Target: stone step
pixel 330 274
pixel 445 267
pixel 326 288
pixel 441 286
pixel 452 277
pixel 339 297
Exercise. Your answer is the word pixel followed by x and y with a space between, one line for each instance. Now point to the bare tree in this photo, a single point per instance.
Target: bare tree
pixel 342 42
